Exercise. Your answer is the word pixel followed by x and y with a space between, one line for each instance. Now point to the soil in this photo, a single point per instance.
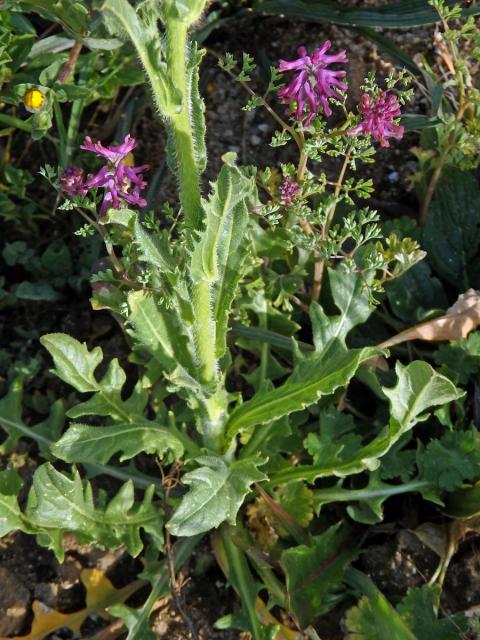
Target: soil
pixel 395 558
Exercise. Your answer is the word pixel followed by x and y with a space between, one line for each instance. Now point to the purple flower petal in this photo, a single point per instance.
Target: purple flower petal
pixel 378 118
pixel 313 83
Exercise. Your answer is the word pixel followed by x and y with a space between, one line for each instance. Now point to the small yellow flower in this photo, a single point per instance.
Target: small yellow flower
pixel 34 100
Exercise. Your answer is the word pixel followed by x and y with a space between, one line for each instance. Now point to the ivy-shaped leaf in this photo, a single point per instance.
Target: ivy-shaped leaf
pixel 217 491
pixel 75 365
pixel 57 502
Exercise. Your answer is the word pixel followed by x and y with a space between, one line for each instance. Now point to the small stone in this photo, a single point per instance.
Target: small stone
pixel 255 140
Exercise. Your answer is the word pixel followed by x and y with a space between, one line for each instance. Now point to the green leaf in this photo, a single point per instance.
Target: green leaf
pixel 419 610
pixel 11 517
pixel 224 215
pixel 452 459
pixel 159 331
pixel 460 360
pixel 451 234
pixel 122 19
pixel 297 500
pixel 373 618
pixel 58 502
pixel 419 388
pixel 75 365
pixel 81 443
pixel 217 492
pixel 352 299
pixel 415 294
pixel 153 249
pixel 11 421
pixel 314 573
pixel 314 377
pixel 405 13
pixel 134 619
pixel 231 261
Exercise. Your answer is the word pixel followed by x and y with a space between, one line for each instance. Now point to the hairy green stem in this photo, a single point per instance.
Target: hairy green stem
pixel 188 173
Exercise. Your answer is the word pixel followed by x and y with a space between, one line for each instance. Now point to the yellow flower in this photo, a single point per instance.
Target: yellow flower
pixel 34 100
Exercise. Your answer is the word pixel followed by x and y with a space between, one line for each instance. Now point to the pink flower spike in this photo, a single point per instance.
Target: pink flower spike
pixel 314 84
pixel 378 118
pixel 289 190
pixel 113 153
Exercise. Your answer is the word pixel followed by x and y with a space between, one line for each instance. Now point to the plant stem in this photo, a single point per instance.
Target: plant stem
pixel 241 578
pixel 320 264
pixel 188 173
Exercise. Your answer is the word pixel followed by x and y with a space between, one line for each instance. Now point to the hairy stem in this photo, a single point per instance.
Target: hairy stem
pixel 188 173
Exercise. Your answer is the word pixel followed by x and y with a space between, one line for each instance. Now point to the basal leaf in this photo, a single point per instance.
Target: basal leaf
pixel 59 502
pixel 314 377
pixel 81 443
pixel 12 423
pixel 217 491
pixel 11 517
pixel 74 363
pixel 352 299
pixel 373 618
pixel 419 388
pixel 314 572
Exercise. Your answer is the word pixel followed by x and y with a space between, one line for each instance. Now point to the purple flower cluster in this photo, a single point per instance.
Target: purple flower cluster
pixel 314 83
pixel 289 190
pixel 120 181
pixel 378 118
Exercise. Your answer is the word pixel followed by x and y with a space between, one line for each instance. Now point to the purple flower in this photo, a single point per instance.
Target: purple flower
pixel 113 154
pixel 313 83
pixel 120 181
pixel 289 190
pixel 72 182
pixel 378 118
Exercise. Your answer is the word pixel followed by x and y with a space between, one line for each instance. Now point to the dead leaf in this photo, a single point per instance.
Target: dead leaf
pixel 462 318
pixel 444 540
pixel 100 595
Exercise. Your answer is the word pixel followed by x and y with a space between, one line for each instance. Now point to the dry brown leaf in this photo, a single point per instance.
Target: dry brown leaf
pixel 444 539
pixel 462 318
pixel 100 594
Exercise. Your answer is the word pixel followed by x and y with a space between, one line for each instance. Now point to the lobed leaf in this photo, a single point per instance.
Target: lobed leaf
pixel 59 503
pixel 217 492
pixel 97 445
pixel 314 377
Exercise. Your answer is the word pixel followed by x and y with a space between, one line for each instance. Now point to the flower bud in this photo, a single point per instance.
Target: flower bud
pixel 34 99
